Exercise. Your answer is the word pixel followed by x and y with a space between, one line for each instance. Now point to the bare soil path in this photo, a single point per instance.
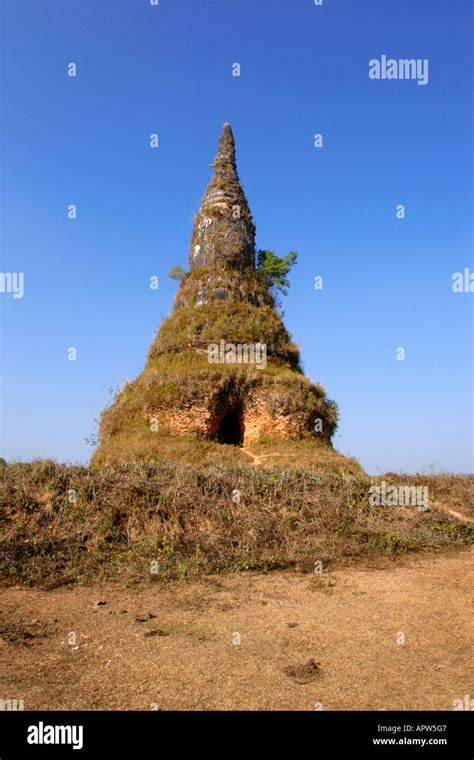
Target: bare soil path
pixel 392 638
pixel 255 458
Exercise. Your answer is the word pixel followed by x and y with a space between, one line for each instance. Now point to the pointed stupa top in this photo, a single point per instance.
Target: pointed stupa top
pixel 224 164
pixel 223 232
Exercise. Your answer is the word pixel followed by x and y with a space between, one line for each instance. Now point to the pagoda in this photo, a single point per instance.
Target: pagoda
pixel 222 374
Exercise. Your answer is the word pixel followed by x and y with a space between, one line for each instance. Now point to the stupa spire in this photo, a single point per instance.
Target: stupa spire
pixel 224 164
pixel 223 232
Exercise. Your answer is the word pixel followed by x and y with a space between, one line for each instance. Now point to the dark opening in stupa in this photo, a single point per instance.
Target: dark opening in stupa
pixel 231 427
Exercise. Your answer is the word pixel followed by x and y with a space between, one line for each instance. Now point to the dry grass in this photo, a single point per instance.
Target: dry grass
pixel 139 444
pixel 445 490
pixel 352 634
pixel 311 455
pixel 72 524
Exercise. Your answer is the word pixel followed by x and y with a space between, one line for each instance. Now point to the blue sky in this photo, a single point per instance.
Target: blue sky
pixel 304 70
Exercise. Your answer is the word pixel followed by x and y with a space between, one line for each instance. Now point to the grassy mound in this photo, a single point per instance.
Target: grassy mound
pixel 139 445
pixel 152 522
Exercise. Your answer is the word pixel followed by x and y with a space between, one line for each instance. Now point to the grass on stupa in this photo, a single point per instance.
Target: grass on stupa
pixel 234 321
pixel 139 445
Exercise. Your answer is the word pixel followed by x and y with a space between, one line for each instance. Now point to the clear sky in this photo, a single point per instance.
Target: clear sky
pixel 387 282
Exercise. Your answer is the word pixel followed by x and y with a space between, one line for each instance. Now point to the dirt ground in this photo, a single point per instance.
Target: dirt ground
pixel 380 639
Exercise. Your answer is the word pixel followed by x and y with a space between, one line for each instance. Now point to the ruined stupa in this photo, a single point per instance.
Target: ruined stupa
pixel 223 379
